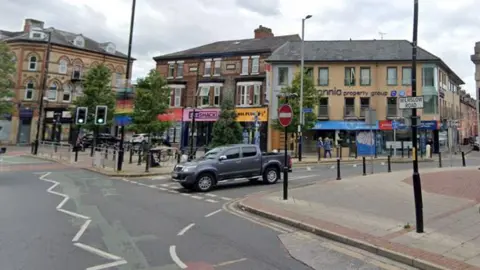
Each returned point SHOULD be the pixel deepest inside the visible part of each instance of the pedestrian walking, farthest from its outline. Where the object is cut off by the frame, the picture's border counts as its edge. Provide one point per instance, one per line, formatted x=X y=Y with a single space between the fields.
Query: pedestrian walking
x=327 y=146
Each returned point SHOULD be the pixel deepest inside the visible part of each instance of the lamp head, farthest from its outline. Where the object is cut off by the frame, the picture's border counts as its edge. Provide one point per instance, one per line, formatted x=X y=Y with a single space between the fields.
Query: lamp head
x=308 y=17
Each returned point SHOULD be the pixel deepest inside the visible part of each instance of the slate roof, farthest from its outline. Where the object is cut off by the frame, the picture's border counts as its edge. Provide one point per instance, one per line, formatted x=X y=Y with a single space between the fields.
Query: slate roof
x=354 y=51
x=62 y=38
x=231 y=47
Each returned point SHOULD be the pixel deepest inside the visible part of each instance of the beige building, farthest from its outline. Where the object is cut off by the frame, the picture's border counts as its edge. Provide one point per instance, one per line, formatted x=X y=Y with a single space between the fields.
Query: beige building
x=476 y=60
x=71 y=55
x=354 y=76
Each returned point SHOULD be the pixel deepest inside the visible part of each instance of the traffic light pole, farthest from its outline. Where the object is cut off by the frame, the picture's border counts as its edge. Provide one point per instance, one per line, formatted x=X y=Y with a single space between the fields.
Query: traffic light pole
x=417 y=186
x=127 y=78
x=42 y=94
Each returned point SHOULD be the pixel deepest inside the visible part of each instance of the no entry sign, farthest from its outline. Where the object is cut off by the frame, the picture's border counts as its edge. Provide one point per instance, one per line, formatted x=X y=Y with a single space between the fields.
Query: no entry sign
x=285 y=115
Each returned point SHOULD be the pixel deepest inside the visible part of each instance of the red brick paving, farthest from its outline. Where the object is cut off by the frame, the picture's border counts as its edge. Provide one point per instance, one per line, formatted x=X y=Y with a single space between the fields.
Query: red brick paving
x=463 y=184
x=256 y=203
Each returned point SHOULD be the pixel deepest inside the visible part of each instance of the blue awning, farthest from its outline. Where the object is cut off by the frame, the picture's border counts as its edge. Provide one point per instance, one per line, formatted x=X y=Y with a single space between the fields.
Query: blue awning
x=344 y=125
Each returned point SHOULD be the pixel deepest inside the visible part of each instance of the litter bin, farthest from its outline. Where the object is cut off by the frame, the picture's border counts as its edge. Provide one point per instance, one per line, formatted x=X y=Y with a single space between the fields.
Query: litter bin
x=155 y=158
x=3 y=150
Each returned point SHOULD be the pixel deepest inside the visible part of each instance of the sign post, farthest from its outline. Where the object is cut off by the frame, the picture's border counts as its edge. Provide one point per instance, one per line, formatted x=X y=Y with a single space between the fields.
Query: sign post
x=285 y=116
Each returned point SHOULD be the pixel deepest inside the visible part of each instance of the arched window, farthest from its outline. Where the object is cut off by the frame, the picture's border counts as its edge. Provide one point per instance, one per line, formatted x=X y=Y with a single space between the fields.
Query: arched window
x=77 y=72
x=52 y=92
x=67 y=93
x=78 y=90
x=29 y=87
x=32 y=63
x=62 y=66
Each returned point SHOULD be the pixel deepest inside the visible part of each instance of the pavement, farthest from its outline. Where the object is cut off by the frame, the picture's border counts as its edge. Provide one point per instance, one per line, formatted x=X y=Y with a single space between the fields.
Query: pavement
x=376 y=213
x=57 y=216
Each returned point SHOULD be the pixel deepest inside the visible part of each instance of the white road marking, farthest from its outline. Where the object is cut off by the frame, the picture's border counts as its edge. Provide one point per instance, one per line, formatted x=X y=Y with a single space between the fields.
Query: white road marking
x=165 y=185
x=302 y=177
x=83 y=228
x=184 y=230
x=197 y=197
x=210 y=195
x=332 y=167
x=159 y=178
x=210 y=200
x=354 y=165
x=230 y=262
x=107 y=265
x=98 y=252
x=185 y=194
x=213 y=213
x=144 y=185
x=81 y=231
x=172 y=191
x=176 y=260
x=226 y=198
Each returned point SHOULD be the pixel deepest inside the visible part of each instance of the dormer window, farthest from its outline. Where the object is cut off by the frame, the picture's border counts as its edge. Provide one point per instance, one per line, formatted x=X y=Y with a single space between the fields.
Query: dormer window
x=79 y=41
x=36 y=35
x=111 y=48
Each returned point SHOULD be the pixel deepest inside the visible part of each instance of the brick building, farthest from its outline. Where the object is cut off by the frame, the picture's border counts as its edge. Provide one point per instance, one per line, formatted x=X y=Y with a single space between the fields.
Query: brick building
x=206 y=75
x=71 y=55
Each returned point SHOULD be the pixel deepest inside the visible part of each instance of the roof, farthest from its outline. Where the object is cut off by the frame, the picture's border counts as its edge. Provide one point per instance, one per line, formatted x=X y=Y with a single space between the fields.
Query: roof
x=61 y=38
x=231 y=47
x=355 y=51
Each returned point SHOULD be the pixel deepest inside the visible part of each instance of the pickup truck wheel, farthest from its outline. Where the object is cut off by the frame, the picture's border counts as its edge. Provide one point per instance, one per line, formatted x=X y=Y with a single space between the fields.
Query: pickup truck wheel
x=205 y=182
x=271 y=175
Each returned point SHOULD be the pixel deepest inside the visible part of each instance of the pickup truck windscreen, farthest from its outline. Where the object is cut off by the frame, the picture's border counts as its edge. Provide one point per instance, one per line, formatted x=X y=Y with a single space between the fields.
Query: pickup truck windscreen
x=212 y=154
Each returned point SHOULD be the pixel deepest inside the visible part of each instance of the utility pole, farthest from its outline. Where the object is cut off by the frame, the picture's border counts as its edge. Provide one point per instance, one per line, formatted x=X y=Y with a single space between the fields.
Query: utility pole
x=302 y=71
x=42 y=92
x=127 y=84
x=417 y=186
x=195 y=97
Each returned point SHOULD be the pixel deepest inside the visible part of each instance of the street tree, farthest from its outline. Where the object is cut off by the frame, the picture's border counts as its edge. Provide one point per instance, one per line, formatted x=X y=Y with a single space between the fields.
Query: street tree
x=7 y=70
x=226 y=130
x=151 y=99
x=97 y=91
x=311 y=98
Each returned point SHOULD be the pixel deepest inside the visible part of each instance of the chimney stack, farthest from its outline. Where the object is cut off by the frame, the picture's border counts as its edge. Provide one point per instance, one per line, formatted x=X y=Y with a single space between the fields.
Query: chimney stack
x=263 y=32
x=29 y=24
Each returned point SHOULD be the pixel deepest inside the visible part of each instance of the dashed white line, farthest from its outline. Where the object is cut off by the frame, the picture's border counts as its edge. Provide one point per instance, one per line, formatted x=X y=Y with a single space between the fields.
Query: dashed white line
x=210 y=195
x=81 y=231
x=211 y=201
x=72 y=214
x=176 y=260
x=172 y=191
x=184 y=230
x=107 y=265
x=97 y=252
x=213 y=213
x=165 y=185
x=197 y=197
x=226 y=198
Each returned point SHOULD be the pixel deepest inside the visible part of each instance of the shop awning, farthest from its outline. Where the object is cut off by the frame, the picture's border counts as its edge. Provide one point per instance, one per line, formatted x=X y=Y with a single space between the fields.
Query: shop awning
x=344 y=125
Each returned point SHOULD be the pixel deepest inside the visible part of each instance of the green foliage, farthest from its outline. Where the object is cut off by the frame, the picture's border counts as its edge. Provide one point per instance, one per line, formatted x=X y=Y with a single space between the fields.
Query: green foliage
x=151 y=99
x=97 y=91
x=311 y=98
x=226 y=130
x=7 y=69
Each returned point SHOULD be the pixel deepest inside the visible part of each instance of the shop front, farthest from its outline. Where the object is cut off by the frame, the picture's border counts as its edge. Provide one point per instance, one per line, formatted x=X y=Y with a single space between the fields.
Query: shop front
x=174 y=133
x=254 y=122
x=204 y=119
x=57 y=125
x=25 y=115
x=397 y=136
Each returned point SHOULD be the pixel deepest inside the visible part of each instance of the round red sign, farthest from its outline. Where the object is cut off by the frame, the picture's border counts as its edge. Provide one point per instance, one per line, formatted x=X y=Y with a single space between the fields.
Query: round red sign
x=285 y=115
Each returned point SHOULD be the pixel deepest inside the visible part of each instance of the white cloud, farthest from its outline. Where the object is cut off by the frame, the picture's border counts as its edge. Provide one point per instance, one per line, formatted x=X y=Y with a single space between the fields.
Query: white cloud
x=448 y=29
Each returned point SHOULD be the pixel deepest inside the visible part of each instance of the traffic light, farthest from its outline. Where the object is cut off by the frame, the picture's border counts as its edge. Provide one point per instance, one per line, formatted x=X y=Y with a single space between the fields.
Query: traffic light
x=101 y=115
x=81 y=116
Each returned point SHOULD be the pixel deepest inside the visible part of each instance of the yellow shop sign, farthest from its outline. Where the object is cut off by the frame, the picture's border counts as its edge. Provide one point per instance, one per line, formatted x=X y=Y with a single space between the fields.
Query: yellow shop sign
x=248 y=114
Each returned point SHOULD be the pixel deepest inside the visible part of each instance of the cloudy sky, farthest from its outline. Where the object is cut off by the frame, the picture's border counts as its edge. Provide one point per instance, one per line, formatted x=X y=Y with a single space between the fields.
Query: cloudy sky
x=447 y=28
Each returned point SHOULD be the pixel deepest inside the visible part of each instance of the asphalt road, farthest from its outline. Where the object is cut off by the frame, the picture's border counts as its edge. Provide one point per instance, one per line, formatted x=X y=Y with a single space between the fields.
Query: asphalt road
x=56 y=217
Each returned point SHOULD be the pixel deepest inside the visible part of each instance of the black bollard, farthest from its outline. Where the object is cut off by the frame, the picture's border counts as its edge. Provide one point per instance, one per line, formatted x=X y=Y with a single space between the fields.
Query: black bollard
x=340 y=149
x=389 y=164
x=364 y=166
x=356 y=152
x=376 y=153
x=76 y=153
x=464 y=164
x=106 y=153
x=130 y=160
x=338 y=169
x=439 y=159
x=391 y=150
x=147 y=161
x=285 y=183
x=403 y=155
x=139 y=157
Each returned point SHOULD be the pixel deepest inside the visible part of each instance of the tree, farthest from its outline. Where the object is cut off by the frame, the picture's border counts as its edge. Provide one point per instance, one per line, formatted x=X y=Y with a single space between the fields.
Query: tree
x=97 y=91
x=7 y=69
x=226 y=130
x=310 y=99
x=151 y=99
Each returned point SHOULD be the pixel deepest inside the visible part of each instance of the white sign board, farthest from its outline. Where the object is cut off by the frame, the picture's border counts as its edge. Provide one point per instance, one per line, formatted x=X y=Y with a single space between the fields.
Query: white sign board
x=410 y=102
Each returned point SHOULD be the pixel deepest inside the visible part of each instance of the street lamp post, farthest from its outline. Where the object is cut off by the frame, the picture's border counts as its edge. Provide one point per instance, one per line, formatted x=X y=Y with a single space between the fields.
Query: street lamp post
x=127 y=83
x=42 y=93
x=191 y=155
x=302 y=71
x=417 y=186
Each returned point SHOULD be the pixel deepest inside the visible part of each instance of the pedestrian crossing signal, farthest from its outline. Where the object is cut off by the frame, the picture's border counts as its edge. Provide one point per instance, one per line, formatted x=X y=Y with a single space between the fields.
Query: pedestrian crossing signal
x=101 y=115
x=81 y=115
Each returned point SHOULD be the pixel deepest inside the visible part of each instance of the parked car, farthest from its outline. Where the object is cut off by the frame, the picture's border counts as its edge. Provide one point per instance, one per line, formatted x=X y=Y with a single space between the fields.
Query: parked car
x=229 y=162
x=102 y=138
x=476 y=144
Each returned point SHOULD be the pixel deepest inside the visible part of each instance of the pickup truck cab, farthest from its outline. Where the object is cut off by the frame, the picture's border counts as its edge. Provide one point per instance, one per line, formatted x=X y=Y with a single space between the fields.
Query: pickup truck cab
x=230 y=162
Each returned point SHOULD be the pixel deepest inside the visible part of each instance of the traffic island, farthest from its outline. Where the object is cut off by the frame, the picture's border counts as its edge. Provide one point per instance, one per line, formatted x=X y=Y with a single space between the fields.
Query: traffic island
x=372 y=213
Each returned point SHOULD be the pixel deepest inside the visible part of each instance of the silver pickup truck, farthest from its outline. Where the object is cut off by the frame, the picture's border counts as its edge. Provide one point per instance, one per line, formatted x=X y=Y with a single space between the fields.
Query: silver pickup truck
x=229 y=162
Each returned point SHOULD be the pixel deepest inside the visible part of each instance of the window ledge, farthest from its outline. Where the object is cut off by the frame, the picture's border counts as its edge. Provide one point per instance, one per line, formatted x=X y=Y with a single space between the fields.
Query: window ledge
x=216 y=75
x=206 y=75
x=255 y=73
x=179 y=77
x=248 y=106
x=170 y=77
x=243 y=74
